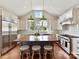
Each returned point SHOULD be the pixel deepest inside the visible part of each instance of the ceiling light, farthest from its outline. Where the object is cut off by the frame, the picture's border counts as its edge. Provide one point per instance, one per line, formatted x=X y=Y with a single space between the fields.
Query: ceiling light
x=43 y=18
x=31 y=18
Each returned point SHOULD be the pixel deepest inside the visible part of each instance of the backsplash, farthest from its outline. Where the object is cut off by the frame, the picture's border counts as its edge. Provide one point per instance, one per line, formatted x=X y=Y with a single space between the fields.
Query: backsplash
x=72 y=30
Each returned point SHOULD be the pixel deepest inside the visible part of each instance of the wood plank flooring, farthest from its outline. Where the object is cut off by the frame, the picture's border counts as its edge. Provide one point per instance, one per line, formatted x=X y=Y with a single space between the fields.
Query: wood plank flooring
x=58 y=53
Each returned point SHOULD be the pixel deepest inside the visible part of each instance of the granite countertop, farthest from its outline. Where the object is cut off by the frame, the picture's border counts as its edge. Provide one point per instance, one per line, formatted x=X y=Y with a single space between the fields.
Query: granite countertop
x=71 y=36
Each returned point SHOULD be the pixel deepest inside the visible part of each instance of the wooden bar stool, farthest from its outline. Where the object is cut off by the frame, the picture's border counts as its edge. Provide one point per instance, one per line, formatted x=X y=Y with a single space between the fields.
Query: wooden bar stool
x=48 y=49
x=36 y=50
x=24 y=50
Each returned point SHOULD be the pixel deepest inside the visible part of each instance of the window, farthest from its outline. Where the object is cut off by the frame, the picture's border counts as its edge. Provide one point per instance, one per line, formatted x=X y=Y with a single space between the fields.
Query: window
x=37 y=24
x=8 y=27
x=5 y=26
x=14 y=27
x=38 y=14
x=42 y=25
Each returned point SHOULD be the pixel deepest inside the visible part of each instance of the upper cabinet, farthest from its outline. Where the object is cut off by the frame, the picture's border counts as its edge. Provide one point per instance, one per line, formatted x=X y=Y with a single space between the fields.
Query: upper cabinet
x=66 y=18
x=8 y=16
x=9 y=20
x=69 y=18
x=75 y=16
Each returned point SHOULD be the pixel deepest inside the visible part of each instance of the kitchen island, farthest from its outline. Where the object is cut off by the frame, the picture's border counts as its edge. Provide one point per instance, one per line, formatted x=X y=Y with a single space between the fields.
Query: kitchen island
x=42 y=41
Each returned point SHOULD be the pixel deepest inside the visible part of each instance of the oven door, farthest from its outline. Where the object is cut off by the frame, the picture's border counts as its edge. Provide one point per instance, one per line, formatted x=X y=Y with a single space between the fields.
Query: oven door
x=67 y=46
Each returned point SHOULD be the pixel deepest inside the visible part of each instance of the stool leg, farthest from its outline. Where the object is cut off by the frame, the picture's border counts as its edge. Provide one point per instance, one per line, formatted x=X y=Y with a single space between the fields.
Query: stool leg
x=27 y=55
x=53 y=54
x=32 y=54
x=21 y=55
x=45 y=55
x=39 y=55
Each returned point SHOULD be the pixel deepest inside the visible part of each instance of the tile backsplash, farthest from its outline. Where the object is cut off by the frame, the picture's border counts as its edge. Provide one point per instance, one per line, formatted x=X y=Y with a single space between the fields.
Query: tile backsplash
x=72 y=30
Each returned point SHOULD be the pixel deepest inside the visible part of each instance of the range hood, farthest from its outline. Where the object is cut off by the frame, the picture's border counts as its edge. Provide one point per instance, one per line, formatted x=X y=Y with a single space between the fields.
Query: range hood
x=67 y=21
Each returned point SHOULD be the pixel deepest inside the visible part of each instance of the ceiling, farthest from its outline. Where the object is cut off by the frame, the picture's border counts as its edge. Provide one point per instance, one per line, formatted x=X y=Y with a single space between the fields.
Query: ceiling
x=22 y=7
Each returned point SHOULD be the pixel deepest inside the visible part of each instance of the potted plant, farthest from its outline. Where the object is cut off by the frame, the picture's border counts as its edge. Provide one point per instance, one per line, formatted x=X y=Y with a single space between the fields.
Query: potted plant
x=36 y=35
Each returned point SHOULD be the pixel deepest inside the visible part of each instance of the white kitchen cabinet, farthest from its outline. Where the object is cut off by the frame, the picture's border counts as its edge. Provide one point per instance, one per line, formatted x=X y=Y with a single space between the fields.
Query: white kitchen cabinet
x=75 y=16
x=66 y=16
x=0 y=34
x=64 y=19
x=0 y=31
x=75 y=47
x=7 y=32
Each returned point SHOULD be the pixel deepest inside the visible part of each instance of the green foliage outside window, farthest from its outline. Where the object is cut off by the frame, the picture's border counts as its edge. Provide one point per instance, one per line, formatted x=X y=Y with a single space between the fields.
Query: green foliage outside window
x=43 y=28
x=32 y=27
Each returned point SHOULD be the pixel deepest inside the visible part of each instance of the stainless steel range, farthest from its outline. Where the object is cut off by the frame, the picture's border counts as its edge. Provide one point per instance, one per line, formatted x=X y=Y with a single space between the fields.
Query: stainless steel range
x=65 y=43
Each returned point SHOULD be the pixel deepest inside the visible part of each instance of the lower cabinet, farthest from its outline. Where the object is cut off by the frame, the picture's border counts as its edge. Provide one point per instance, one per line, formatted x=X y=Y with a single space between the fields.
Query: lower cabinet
x=7 y=43
x=0 y=34
x=75 y=47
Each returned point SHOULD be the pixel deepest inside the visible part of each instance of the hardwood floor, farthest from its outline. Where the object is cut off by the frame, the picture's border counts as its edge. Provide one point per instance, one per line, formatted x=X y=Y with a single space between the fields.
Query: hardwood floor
x=58 y=53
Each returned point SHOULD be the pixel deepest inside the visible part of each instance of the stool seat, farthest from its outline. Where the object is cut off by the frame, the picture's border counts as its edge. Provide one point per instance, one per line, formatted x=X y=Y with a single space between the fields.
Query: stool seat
x=24 y=47
x=24 y=50
x=36 y=50
x=48 y=47
x=36 y=47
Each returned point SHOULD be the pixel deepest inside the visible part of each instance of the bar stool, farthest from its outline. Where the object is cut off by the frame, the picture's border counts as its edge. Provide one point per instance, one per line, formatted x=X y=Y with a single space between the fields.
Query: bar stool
x=36 y=50
x=24 y=50
x=48 y=49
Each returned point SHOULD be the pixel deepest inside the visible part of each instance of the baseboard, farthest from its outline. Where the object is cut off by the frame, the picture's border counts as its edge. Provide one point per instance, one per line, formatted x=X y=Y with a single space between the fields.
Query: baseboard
x=73 y=56
x=8 y=50
x=63 y=49
x=0 y=54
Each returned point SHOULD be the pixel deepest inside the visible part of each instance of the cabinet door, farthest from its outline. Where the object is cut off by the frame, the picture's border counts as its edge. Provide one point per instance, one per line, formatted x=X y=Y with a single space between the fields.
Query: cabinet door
x=76 y=15
x=75 y=45
x=0 y=34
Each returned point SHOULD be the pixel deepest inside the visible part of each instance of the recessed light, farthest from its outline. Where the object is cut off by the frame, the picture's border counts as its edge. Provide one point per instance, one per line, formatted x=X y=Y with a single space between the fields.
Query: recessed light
x=24 y=6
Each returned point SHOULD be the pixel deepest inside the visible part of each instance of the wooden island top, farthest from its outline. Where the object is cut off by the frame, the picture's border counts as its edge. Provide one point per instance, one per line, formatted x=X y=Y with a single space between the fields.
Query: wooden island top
x=27 y=38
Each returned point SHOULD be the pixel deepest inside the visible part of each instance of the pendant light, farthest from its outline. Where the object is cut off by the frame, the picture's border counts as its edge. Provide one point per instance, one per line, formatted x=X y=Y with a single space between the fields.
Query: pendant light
x=43 y=18
x=31 y=18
